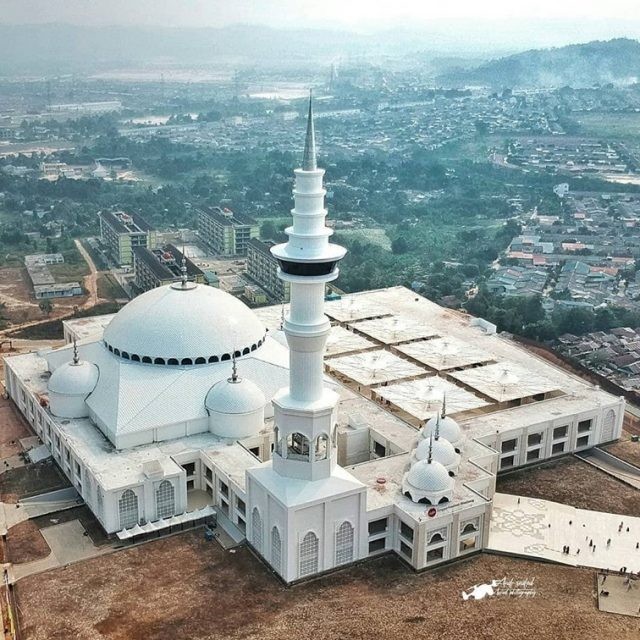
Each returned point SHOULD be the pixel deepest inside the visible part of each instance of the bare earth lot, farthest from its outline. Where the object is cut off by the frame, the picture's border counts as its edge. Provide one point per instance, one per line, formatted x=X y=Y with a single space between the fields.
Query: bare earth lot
x=573 y=482
x=25 y=543
x=185 y=587
x=625 y=449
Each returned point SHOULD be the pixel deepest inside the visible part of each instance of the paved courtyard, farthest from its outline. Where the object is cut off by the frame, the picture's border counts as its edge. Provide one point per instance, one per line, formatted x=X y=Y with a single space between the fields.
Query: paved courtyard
x=541 y=528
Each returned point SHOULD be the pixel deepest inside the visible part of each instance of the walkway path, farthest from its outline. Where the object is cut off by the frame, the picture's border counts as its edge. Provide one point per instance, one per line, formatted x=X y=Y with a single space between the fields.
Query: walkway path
x=91 y=280
x=68 y=544
x=541 y=528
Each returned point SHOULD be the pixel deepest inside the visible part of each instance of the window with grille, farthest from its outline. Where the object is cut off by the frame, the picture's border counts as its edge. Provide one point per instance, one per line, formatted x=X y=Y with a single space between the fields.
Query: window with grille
x=256 y=526
x=344 y=543
x=165 y=500
x=128 y=508
x=276 y=550
x=308 y=555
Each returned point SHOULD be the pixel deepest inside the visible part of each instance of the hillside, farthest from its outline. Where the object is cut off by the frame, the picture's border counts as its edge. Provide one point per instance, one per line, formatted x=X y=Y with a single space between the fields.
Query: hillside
x=579 y=65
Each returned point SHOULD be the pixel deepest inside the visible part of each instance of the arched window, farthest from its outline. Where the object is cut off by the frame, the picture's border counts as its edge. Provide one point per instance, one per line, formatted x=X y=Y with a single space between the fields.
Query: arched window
x=254 y=347
x=443 y=500
x=165 y=500
x=128 y=509
x=322 y=446
x=308 y=555
x=276 y=550
x=344 y=543
x=225 y=356
x=213 y=359
x=256 y=527
x=172 y=361
x=245 y=351
x=201 y=361
x=159 y=361
x=111 y=348
x=125 y=355
x=186 y=361
x=135 y=357
x=469 y=528
x=436 y=537
x=297 y=446
x=237 y=354
x=116 y=352
x=146 y=359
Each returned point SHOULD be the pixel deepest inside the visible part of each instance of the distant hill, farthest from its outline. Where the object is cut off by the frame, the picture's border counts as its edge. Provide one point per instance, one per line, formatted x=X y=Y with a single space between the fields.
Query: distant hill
x=578 y=65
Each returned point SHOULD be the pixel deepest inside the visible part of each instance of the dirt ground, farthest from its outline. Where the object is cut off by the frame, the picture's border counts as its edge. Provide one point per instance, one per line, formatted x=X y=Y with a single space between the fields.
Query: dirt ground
x=573 y=482
x=12 y=428
x=625 y=449
x=185 y=587
x=17 y=294
x=31 y=480
x=25 y=543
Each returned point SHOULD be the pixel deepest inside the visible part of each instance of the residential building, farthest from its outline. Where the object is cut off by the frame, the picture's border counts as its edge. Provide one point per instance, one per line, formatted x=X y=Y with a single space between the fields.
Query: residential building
x=226 y=232
x=121 y=231
x=157 y=267
x=262 y=267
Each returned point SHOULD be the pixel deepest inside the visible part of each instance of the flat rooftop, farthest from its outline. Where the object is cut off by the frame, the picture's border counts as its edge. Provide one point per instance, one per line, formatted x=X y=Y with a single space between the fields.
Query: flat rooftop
x=396 y=393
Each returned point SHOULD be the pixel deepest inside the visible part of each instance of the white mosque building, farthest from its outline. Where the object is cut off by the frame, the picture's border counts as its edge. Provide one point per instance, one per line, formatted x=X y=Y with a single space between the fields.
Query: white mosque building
x=370 y=424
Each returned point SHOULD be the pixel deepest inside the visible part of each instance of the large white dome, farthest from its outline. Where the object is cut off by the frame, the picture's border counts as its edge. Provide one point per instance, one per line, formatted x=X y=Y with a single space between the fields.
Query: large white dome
x=195 y=324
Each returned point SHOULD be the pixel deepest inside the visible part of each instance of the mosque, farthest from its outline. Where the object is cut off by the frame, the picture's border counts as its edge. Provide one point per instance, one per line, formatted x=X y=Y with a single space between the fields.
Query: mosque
x=325 y=435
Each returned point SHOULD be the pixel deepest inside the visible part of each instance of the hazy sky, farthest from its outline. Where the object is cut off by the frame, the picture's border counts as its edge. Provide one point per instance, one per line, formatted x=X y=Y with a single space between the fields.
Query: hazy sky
x=607 y=17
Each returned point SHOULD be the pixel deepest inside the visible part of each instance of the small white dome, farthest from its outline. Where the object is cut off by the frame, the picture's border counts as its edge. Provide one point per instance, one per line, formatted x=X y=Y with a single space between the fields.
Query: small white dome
x=235 y=397
x=196 y=323
x=74 y=379
x=442 y=451
x=449 y=429
x=429 y=477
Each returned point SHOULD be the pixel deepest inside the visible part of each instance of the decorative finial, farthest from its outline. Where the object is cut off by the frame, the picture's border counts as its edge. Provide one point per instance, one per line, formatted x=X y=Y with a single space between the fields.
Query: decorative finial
x=444 y=405
x=437 y=431
x=282 y=317
x=429 y=458
x=234 y=368
x=309 y=156
x=183 y=269
x=75 y=352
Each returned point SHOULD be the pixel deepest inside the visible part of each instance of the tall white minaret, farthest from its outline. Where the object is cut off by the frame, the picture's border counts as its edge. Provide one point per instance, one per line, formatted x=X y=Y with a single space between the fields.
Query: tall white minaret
x=305 y=412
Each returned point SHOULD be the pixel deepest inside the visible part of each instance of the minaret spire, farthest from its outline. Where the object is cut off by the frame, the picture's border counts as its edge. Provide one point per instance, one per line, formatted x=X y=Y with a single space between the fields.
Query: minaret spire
x=430 y=457
x=444 y=405
x=437 y=431
x=183 y=269
x=234 y=369
x=75 y=352
x=309 y=157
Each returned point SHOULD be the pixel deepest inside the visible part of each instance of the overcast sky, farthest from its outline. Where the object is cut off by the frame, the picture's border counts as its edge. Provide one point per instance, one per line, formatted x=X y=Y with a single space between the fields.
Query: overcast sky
x=608 y=16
